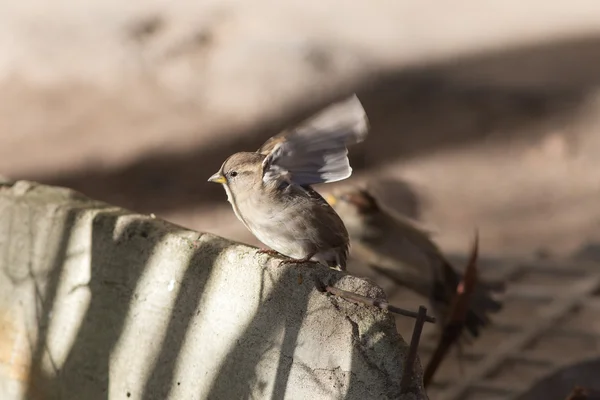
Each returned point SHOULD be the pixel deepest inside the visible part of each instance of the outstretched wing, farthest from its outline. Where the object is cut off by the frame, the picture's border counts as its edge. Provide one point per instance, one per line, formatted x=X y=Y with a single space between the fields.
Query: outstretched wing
x=316 y=150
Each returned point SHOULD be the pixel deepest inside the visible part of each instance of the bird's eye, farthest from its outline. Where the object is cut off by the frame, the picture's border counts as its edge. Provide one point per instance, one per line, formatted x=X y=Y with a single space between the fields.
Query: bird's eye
x=233 y=174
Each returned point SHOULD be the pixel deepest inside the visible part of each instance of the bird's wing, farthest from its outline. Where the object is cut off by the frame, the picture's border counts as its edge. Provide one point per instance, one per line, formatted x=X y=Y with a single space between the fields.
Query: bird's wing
x=444 y=278
x=316 y=150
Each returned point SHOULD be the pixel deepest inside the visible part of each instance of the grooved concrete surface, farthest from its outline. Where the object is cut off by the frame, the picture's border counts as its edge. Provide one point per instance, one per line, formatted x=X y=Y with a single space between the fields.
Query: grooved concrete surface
x=100 y=303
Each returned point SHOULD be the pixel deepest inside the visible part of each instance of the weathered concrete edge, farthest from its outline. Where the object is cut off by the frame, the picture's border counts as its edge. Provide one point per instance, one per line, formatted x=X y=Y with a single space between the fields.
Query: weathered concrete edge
x=70 y=198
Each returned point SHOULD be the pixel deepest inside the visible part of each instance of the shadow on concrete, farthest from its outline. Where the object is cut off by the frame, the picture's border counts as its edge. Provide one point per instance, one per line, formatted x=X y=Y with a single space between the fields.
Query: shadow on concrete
x=119 y=259
x=162 y=380
x=492 y=97
x=39 y=384
x=86 y=371
x=366 y=345
x=273 y=315
x=116 y=266
x=244 y=358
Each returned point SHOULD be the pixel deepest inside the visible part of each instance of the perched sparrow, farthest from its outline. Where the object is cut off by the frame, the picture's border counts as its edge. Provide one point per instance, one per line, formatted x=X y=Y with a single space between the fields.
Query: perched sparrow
x=270 y=191
x=398 y=249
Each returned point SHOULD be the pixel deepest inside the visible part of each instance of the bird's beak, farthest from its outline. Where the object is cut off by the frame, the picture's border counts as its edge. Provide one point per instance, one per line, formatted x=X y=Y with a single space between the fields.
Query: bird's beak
x=217 y=178
x=330 y=199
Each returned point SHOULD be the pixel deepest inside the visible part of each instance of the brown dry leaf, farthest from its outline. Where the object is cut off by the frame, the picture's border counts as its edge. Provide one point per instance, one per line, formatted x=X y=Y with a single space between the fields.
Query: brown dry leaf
x=460 y=306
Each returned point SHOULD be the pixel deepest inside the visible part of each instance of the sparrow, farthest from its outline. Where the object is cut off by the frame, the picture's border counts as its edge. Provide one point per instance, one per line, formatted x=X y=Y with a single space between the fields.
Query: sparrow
x=270 y=189
x=396 y=247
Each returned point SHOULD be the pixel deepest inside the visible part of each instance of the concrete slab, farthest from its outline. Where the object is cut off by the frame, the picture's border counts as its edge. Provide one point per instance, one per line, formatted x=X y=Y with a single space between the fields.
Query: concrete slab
x=100 y=303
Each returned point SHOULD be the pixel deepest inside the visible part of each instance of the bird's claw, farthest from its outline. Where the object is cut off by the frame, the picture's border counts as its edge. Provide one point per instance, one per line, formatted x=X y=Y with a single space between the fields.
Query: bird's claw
x=295 y=261
x=287 y=260
x=268 y=251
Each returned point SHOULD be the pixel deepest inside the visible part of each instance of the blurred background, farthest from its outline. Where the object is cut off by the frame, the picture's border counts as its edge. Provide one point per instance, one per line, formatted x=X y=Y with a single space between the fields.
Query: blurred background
x=484 y=116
